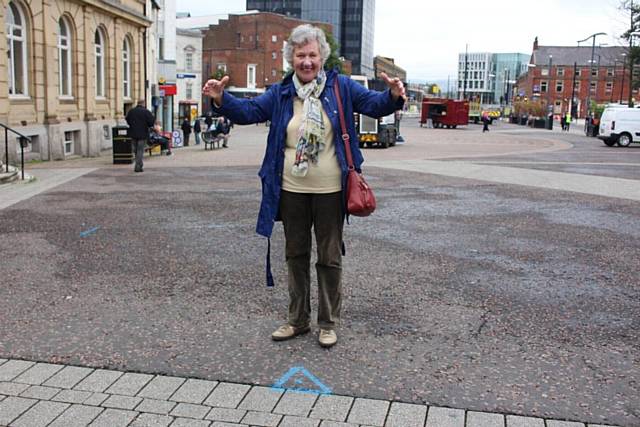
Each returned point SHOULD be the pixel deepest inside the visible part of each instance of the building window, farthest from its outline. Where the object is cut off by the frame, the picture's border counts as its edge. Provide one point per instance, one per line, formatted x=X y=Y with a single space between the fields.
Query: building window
x=16 y=30
x=594 y=87
x=608 y=87
x=64 y=58
x=126 y=71
x=274 y=72
x=189 y=90
x=543 y=86
x=68 y=143
x=481 y=85
x=544 y=72
x=578 y=72
x=222 y=66
x=610 y=72
x=594 y=72
x=578 y=86
x=251 y=76
x=188 y=61
x=274 y=55
x=274 y=38
x=559 y=86
x=560 y=71
x=99 y=59
x=160 y=48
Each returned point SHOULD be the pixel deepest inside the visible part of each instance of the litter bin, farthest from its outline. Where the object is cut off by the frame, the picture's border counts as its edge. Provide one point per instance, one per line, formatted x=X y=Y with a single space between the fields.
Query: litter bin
x=122 y=147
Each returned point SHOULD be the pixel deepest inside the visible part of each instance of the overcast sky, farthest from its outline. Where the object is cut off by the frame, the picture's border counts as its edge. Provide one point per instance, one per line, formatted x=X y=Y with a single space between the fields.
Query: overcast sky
x=425 y=37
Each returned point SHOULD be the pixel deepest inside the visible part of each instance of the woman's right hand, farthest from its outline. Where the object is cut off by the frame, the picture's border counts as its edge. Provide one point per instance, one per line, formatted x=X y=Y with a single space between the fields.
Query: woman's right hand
x=214 y=89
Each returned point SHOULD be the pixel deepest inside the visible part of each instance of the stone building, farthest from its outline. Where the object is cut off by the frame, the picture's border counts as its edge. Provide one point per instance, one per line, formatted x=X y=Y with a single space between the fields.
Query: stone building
x=69 y=71
x=188 y=73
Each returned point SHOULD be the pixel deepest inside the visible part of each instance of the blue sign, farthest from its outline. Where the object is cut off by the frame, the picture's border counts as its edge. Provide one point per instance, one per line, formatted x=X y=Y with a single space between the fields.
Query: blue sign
x=300 y=375
x=186 y=76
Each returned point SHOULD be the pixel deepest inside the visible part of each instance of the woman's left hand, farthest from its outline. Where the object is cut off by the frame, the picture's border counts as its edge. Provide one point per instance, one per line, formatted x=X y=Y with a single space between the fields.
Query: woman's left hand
x=395 y=86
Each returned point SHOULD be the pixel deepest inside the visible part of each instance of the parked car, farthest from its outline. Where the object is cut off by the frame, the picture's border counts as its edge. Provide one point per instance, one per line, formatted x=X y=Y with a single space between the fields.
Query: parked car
x=620 y=125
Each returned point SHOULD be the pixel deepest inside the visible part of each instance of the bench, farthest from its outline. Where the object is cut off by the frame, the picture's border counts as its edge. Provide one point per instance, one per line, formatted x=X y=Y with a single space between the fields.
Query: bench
x=149 y=147
x=212 y=140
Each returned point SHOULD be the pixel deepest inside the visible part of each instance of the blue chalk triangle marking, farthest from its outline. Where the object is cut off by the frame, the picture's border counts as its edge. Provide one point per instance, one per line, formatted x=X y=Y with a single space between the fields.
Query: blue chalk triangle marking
x=322 y=389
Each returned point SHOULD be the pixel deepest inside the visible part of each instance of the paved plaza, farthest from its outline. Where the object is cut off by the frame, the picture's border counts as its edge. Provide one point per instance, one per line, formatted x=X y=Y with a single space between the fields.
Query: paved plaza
x=496 y=285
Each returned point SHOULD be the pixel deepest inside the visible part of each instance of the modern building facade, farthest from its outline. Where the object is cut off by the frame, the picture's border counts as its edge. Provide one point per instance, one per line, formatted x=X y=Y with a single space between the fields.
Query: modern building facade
x=69 y=71
x=489 y=77
x=564 y=77
x=353 y=23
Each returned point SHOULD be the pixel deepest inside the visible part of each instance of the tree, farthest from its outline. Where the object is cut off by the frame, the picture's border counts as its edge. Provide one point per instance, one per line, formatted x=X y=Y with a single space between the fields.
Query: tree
x=334 y=59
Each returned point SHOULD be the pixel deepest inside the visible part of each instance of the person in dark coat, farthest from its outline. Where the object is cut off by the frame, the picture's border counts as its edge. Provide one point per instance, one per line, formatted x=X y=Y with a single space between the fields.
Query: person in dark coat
x=304 y=171
x=186 y=130
x=140 y=120
x=197 y=130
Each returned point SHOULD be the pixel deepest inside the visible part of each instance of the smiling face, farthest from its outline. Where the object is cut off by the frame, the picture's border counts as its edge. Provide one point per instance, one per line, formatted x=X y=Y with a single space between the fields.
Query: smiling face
x=307 y=61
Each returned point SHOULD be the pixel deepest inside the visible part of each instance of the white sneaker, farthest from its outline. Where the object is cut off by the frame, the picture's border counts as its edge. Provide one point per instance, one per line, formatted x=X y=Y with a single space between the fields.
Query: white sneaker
x=327 y=338
x=287 y=331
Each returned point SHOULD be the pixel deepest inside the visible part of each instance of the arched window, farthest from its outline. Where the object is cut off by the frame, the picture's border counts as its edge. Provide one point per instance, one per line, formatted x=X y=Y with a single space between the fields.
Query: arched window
x=99 y=54
x=16 y=30
x=64 y=58
x=126 y=63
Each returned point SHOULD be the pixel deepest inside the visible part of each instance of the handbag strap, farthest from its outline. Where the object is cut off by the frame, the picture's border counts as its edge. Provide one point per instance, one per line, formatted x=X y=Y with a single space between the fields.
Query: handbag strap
x=345 y=134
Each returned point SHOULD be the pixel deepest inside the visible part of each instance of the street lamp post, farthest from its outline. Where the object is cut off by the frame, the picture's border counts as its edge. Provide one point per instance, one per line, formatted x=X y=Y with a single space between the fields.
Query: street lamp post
x=624 y=69
x=593 y=48
x=631 y=63
x=466 y=62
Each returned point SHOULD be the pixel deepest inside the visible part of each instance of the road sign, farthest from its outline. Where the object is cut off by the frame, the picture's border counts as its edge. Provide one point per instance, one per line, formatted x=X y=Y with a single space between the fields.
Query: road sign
x=176 y=136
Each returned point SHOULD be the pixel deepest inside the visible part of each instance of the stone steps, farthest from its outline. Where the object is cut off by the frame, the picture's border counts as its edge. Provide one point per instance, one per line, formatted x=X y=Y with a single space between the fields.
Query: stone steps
x=7 y=177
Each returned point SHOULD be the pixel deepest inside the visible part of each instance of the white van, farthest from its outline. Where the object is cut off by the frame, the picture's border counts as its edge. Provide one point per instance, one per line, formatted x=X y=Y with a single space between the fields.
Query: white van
x=620 y=125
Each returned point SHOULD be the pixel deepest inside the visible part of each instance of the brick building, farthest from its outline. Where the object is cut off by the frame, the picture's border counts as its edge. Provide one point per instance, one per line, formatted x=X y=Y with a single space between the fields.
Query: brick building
x=248 y=48
x=553 y=71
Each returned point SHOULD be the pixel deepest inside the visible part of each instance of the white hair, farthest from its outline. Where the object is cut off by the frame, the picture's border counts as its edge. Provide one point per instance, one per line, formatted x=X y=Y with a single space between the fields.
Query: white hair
x=303 y=34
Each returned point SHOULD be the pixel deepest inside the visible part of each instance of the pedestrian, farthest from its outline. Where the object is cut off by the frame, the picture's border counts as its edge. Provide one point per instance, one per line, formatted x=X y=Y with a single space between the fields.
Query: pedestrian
x=197 y=130
x=156 y=137
x=225 y=128
x=304 y=169
x=186 y=130
x=140 y=120
x=567 y=121
x=208 y=120
x=485 y=122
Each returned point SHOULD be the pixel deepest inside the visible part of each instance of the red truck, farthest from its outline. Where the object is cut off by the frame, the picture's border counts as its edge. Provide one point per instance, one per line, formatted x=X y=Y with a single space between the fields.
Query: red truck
x=447 y=113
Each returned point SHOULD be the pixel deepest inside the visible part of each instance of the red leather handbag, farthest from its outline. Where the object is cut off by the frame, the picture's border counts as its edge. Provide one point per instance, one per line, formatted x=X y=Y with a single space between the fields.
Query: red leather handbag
x=360 y=198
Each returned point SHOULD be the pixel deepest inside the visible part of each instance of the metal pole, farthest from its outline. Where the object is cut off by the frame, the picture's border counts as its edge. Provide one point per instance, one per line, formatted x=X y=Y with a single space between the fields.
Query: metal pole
x=466 y=62
x=6 y=148
x=624 y=70
x=22 y=142
x=573 y=90
x=593 y=48
x=631 y=59
x=549 y=86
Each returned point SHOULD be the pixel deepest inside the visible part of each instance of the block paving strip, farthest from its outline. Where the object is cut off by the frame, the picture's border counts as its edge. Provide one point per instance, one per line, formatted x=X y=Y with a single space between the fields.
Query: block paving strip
x=42 y=394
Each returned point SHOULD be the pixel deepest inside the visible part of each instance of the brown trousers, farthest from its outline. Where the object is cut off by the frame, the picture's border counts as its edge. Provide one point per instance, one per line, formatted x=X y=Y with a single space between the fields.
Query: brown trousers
x=299 y=212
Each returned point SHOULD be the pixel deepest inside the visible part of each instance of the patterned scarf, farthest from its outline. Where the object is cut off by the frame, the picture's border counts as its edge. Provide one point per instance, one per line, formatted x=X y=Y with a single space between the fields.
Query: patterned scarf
x=311 y=131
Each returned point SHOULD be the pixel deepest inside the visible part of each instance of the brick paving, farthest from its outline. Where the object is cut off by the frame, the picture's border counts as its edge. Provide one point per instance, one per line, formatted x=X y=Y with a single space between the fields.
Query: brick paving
x=133 y=399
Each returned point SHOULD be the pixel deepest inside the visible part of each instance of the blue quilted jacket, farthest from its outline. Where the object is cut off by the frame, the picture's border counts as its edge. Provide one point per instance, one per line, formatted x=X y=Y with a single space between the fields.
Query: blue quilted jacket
x=276 y=105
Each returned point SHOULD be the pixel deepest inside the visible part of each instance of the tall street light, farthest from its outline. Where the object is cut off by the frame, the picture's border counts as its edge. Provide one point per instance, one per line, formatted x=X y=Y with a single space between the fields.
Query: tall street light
x=593 y=48
x=624 y=69
x=632 y=60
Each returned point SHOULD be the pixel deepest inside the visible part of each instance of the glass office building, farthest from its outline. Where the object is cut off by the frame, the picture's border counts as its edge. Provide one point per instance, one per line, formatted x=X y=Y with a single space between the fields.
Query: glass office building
x=508 y=67
x=353 y=24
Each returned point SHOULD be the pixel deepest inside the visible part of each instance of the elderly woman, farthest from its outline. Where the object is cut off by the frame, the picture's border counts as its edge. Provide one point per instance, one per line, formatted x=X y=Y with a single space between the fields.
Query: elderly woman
x=304 y=169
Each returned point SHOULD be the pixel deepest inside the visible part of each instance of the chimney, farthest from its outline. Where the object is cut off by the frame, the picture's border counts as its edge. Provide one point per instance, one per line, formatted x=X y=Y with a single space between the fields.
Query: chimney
x=535 y=44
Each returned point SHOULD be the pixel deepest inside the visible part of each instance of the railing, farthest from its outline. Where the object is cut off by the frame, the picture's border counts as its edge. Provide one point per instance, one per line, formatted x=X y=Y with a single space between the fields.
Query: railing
x=24 y=140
